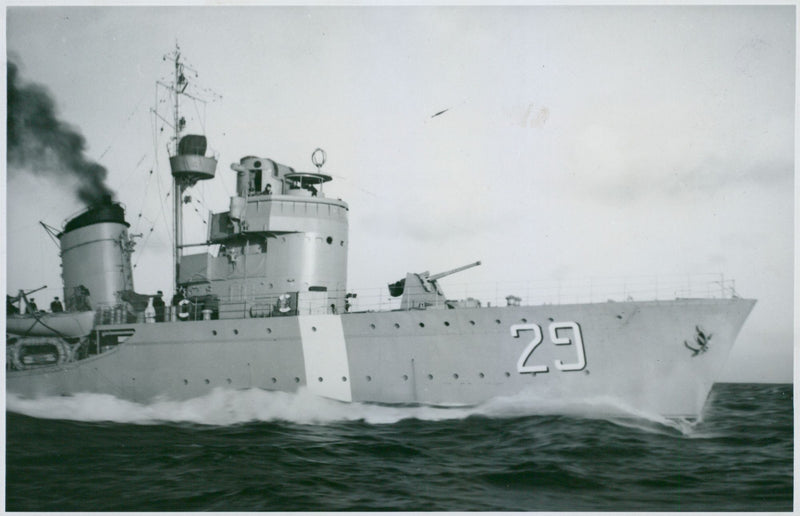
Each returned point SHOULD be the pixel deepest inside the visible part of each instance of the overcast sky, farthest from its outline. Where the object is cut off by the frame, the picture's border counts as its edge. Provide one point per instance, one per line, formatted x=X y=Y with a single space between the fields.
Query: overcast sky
x=578 y=142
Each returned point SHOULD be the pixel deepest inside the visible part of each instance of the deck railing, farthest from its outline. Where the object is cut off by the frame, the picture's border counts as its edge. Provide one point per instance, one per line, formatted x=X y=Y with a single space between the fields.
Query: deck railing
x=525 y=293
x=543 y=292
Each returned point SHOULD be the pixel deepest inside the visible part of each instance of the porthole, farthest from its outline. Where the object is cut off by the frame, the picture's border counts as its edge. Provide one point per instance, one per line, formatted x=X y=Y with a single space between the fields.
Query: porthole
x=481 y=375
x=455 y=376
x=372 y=326
x=213 y=332
x=313 y=328
x=405 y=377
x=269 y=330
x=329 y=240
x=430 y=377
x=207 y=381
x=319 y=379
x=508 y=375
x=524 y=320
x=497 y=321
x=185 y=381
x=396 y=325
x=274 y=380
x=228 y=380
x=421 y=325
x=619 y=317
x=296 y=380
x=344 y=378
x=446 y=323
x=236 y=332
x=472 y=323
x=341 y=243
x=550 y=319
x=369 y=378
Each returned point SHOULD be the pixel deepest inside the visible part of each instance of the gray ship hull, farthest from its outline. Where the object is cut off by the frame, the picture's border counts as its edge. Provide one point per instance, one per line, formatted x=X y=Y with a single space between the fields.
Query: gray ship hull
x=655 y=356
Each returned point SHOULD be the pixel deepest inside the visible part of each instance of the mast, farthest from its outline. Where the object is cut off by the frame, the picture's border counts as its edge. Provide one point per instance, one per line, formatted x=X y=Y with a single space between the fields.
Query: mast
x=187 y=159
x=177 y=190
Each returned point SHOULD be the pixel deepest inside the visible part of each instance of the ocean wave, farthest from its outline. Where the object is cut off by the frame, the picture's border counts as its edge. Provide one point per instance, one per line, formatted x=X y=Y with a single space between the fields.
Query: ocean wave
x=271 y=451
x=222 y=407
x=225 y=407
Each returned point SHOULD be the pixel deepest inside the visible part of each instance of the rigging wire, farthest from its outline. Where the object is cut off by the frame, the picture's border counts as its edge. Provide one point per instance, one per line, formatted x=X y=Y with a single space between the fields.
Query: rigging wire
x=143 y=199
x=144 y=244
x=161 y=196
x=122 y=126
x=146 y=238
x=200 y=118
x=343 y=178
x=201 y=200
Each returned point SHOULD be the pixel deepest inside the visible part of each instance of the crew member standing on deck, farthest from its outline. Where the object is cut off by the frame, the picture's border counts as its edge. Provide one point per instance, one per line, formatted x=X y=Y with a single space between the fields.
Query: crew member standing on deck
x=56 y=306
x=158 y=304
x=31 y=307
x=178 y=297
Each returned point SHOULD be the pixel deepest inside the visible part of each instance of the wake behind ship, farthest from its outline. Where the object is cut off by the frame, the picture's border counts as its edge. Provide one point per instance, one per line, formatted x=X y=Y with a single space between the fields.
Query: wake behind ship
x=271 y=310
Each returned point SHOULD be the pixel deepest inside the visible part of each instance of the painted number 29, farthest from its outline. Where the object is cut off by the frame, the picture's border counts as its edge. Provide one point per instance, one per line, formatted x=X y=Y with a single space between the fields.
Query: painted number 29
x=553 y=330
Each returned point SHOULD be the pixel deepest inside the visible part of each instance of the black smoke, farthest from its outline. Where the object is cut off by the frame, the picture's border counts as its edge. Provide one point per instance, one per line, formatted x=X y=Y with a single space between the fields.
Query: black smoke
x=41 y=143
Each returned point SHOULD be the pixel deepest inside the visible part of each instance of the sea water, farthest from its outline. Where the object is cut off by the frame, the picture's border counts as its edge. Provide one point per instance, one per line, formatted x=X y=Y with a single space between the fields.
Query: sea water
x=268 y=451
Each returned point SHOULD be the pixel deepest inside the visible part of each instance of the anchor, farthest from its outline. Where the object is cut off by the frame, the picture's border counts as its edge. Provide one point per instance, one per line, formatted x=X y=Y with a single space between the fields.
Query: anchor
x=702 y=342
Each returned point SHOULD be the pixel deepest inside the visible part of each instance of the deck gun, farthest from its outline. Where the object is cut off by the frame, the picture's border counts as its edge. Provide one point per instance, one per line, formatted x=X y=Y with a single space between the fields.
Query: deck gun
x=421 y=290
x=19 y=298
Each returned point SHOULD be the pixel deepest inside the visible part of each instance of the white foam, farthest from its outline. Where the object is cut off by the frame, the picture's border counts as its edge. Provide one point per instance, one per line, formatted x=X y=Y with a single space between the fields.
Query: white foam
x=223 y=407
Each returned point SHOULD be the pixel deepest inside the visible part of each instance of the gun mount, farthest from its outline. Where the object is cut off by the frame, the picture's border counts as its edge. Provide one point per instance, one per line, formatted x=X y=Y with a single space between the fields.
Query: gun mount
x=19 y=298
x=421 y=290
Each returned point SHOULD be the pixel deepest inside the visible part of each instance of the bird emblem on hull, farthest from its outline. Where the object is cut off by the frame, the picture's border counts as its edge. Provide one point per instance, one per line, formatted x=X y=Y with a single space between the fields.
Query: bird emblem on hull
x=701 y=339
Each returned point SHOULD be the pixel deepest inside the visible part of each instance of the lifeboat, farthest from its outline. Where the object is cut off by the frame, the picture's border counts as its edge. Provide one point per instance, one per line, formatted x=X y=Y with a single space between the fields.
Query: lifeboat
x=46 y=324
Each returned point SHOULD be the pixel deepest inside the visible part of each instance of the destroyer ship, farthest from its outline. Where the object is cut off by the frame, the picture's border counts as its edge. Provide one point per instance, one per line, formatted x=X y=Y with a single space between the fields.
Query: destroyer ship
x=271 y=310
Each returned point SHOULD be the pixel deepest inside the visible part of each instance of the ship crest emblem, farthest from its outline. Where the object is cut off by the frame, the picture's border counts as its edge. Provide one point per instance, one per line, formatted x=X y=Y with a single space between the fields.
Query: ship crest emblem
x=701 y=340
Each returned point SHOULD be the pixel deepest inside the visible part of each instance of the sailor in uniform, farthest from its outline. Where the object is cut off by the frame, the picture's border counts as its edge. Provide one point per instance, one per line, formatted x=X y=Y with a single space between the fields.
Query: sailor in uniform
x=56 y=306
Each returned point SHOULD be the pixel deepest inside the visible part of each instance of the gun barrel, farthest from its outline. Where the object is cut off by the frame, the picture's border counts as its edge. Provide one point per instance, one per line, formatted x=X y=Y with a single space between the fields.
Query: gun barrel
x=35 y=290
x=453 y=271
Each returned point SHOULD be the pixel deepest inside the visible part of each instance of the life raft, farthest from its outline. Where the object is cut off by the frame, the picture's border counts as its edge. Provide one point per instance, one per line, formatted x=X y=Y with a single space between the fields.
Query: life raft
x=32 y=352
